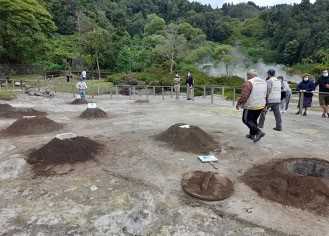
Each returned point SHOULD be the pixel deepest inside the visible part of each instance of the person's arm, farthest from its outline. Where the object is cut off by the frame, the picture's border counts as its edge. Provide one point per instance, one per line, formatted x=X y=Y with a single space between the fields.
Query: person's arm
x=245 y=93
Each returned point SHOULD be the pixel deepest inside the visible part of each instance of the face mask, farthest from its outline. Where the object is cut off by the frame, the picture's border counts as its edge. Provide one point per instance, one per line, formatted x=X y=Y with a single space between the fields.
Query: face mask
x=306 y=79
x=325 y=74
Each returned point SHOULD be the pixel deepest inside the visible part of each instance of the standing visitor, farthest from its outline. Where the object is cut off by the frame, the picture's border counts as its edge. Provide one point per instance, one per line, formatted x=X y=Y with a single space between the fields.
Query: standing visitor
x=189 y=86
x=285 y=94
x=253 y=101
x=82 y=87
x=273 y=100
x=305 y=88
x=177 y=85
x=323 y=84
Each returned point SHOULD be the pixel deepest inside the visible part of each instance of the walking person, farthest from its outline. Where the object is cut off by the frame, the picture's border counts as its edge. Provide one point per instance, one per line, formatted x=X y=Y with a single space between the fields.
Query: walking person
x=305 y=88
x=82 y=87
x=285 y=94
x=323 y=84
x=189 y=86
x=177 y=80
x=273 y=101
x=253 y=101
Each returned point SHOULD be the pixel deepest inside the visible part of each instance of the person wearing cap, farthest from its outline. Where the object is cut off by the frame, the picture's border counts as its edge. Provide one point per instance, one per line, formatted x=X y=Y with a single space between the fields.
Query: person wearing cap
x=323 y=84
x=253 y=101
x=285 y=94
x=83 y=75
x=82 y=87
x=177 y=80
x=273 y=100
x=305 y=87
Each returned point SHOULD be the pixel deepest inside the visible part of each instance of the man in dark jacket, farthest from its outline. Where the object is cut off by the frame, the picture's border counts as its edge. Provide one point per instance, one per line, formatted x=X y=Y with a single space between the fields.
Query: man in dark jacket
x=189 y=86
x=323 y=84
x=306 y=87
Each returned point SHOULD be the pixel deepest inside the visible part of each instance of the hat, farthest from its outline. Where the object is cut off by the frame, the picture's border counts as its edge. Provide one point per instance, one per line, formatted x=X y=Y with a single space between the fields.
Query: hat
x=252 y=72
x=271 y=72
x=306 y=75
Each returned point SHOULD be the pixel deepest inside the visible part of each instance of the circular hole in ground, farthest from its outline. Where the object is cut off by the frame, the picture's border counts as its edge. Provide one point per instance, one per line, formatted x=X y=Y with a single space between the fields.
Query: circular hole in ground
x=309 y=167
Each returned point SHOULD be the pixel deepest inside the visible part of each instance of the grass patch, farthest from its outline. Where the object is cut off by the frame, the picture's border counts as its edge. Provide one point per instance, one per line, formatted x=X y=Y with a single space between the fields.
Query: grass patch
x=7 y=95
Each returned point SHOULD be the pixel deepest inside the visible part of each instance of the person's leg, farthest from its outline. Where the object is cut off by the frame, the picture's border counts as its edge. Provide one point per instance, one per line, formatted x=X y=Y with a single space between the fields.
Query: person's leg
x=288 y=101
x=262 y=118
x=322 y=101
x=277 y=116
x=245 y=120
x=252 y=118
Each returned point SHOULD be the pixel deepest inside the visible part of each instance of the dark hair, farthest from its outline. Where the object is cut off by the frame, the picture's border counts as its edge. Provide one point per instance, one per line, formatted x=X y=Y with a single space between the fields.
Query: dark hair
x=271 y=72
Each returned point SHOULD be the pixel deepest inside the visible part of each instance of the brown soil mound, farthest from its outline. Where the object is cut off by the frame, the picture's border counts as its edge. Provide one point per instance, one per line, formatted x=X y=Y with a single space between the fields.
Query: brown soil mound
x=62 y=153
x=35 y=125
x=209 y=186
x=7 y=111
x=192 y=139
x=93 y=113
x=300 y=183
x=79 y=101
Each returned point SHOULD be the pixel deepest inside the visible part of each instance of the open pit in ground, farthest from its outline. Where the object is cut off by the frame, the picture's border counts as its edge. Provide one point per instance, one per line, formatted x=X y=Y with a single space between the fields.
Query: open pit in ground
x=299 y=183
x=79 y=101
x=59 y=155
x=208 y=186
x=10 y=112
x=187 y=138
x=93 y=113
x=32 y=125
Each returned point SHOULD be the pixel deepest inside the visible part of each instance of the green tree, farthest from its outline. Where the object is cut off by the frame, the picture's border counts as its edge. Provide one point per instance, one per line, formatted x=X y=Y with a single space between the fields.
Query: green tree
x=154 y=25
x=25 y=26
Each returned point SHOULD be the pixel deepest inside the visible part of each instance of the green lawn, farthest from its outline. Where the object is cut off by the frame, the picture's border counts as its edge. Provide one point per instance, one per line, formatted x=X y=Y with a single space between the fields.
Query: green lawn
x=7 y=95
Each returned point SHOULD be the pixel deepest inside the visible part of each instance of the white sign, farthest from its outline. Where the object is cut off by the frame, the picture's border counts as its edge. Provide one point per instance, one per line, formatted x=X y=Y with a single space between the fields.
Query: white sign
x=185 y=126
x=207 y=159
x=28 y=117
x=77 y=96
x=92 y=105
x=66 y=136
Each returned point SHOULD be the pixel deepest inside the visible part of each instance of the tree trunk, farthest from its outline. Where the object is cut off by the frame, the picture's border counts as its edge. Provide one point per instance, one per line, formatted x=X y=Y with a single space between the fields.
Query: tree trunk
x=172 y=63
x=98 y=69
x=227 y=72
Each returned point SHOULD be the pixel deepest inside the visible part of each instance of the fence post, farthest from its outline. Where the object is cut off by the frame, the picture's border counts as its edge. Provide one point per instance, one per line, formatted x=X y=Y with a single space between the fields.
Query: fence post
x=147 y=93
x=162 y=92
x=171 y=91
x=116 y=90
x=111 y=93
x=204 y=92
x=129 y=92
x=97 y=91
x=223 y=91
x=154 y=91
x=134 y=92
x=212 y=95
x=301 y=103
x=234 y=97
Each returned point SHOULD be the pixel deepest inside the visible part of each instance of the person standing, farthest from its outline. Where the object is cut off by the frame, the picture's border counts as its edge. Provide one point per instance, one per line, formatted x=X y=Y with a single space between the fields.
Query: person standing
x=82 y=87
x=177 y=80
x=84 y=75
x=323 y=84
x=285 y=94
x=273 y=100
x=253 y=101
x=305 y=88
x=189 y=85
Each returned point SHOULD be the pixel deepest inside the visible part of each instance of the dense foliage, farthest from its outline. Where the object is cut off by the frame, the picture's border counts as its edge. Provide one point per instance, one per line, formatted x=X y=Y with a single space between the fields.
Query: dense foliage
x=135 y=35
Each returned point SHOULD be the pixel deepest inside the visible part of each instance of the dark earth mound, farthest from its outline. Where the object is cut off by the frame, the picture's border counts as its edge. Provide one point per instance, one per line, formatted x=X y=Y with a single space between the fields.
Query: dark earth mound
x=192 y=139
x=62 y=152
x=299 y=183
x=33 y=125
x=208 y=186
x=7 y=111
x=93 y=113
x=79 y=101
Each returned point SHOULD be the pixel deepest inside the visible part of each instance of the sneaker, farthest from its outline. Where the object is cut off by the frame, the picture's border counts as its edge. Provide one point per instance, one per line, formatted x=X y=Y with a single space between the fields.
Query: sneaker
x=324 y=115
x=277 y=129
x=298 y=113
x=258 y=137
x=305 y=113
x=249 y=136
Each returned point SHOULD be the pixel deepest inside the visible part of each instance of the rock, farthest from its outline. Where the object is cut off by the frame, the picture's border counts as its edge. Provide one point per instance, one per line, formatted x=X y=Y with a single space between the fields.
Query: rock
x=12 y=168
x=93 y=188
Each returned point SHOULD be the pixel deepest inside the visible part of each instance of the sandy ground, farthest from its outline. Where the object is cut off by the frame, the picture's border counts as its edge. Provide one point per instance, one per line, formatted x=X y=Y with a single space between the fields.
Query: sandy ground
x=134 y=186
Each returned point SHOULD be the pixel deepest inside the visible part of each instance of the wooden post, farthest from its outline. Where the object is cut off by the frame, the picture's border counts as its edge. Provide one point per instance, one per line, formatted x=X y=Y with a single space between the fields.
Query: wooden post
x=301 y=103
x=97 y=91
x=116 y=90
x=223 y=91
x=171 y=91
x=154 y=91
x=212 y=95
x=129 y=92
x=234 y=96
x=204 y=92
x=162 y=92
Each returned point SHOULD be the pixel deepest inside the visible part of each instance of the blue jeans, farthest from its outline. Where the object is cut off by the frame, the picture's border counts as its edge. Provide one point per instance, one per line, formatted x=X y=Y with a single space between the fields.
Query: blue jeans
x=82 y=93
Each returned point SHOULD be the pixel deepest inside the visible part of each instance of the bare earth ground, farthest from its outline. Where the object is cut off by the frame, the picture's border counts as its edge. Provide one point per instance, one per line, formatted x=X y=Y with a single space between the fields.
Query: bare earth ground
x=134 y=186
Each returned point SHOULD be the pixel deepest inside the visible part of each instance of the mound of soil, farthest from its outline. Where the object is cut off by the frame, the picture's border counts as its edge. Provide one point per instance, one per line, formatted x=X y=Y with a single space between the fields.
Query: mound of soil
x=208 y=186
x=293 y=182
x=62 y=153
x=33 y=125
x=7 y=111
x=79 y=101
x=93 y=113
x=188 y=139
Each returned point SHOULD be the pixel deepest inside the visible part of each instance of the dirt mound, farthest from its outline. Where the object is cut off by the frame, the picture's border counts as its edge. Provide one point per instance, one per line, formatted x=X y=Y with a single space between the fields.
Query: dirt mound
x=93 y=113
x=33 y=125
x=300 y=183
x=188 y=138
x=208 y=186
x=7 y=111
x=60 y=153
x=79 y=101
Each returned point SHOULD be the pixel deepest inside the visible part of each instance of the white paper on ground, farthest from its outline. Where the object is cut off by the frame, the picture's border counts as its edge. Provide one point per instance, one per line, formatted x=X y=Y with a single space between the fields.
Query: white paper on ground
x=207 y=158
x=92 y=105
x=185 y=126
x=66 y=136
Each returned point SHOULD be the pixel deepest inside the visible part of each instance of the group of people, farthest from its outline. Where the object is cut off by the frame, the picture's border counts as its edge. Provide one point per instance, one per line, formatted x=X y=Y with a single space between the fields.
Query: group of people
x=258 y=96
x=189 y=85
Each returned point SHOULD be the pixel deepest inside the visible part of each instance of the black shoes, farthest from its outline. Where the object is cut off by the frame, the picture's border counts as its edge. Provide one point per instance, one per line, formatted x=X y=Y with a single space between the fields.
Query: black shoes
x=249 y=136
x=258 y=136
x=277 y=129
x=305 y=113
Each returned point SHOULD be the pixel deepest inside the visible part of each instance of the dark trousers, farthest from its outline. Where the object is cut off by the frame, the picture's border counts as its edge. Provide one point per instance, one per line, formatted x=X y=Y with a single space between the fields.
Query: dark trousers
x=250 y=118
x=277 y=115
